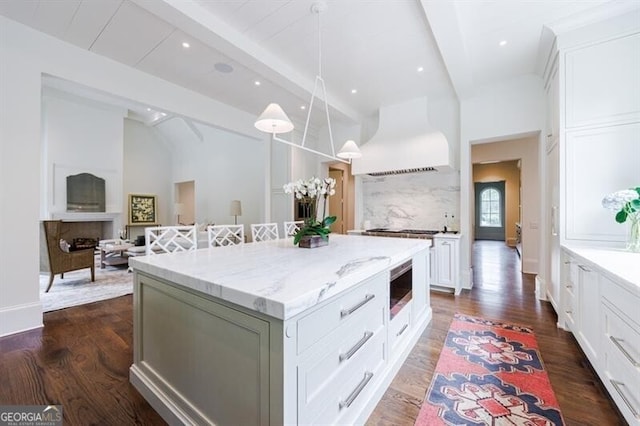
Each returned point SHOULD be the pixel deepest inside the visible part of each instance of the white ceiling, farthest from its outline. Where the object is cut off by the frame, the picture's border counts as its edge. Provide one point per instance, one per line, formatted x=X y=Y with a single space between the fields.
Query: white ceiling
x=374 y=46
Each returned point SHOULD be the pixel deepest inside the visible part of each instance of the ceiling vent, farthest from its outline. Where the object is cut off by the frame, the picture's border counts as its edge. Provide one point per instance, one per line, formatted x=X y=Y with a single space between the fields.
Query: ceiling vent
x=400 y=172
x=404 y=143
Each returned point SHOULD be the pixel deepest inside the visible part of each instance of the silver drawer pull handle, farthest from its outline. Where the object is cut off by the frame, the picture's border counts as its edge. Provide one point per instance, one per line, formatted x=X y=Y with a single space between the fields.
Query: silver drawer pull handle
x=567 y=262
x=358 y=345
x=568 y=312
x=568 y=286
x=346 y=312
x=347 y=402
x=617 y=386
x=404 y=327
x=618 y=344
x=584 y=268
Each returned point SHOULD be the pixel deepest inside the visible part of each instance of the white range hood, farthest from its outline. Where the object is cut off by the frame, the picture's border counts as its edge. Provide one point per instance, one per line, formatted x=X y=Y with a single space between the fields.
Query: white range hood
x=404 y=143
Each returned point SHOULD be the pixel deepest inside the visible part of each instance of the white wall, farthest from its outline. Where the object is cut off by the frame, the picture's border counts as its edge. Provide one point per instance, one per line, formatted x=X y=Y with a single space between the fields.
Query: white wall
x=80 y=136
x=27 y=54
x=503 y=111
x=147 y=170
x=224 y=166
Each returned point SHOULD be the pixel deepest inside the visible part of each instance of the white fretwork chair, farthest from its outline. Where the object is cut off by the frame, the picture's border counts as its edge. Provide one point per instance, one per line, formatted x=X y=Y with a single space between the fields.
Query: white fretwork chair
x=290 y=228
x=264 y=232
x=170 y=239
x=225 y=235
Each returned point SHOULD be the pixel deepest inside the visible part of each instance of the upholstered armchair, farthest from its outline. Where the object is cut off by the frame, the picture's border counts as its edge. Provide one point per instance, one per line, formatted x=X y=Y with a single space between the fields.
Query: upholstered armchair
x=61 y=261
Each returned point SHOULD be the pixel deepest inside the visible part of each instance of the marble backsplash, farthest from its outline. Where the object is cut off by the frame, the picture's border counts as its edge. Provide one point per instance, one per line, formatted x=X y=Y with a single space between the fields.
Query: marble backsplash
x=413 y=200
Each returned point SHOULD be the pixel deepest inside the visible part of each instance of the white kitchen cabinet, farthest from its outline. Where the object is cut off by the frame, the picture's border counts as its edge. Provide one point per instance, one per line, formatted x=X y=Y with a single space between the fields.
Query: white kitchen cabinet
x=602 y=309
x=595 y=169
x=553 y=230
x=432 y=265
x=588 y=307
x=603 y=83
x=570 y=310
x=581 y=300
x=592 y=84
x=447 y=261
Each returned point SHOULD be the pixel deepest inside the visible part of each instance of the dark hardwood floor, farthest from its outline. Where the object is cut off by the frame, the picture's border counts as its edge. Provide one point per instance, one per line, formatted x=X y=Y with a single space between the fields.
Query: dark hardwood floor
x=82 y=356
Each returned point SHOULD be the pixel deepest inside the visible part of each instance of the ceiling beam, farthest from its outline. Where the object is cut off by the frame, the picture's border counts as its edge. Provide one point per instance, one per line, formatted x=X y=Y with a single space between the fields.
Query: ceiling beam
x=445 y=27
x=200 y=23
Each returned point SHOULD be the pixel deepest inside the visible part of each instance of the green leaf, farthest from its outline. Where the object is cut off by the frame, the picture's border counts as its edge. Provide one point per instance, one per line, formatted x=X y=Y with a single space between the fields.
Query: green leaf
x=635 y=204
x=637 y=188
x=621 y=217
x=329 y=220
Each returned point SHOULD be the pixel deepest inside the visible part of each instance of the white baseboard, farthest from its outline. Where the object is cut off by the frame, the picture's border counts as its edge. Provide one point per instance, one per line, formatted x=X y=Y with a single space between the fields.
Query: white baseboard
x=19 y=318
x=467 y=278
x=530 y=265
x=541 y=289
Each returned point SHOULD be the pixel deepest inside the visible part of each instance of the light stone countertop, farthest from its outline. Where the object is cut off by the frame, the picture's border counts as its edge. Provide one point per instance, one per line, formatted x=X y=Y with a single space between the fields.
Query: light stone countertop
x=276 y=277
x=620 y=265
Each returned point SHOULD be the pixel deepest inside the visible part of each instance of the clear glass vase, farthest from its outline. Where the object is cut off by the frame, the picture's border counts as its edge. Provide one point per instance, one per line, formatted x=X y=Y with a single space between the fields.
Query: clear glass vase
x=633 y=241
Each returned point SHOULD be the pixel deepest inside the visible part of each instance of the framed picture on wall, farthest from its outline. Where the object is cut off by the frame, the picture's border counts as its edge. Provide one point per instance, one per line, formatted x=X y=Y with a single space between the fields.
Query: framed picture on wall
x=142 y=209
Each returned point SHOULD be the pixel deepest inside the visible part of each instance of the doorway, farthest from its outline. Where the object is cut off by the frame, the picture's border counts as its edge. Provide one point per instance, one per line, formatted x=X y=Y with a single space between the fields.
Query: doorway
x=336 y=202
x=489 y=211
x=184 y=208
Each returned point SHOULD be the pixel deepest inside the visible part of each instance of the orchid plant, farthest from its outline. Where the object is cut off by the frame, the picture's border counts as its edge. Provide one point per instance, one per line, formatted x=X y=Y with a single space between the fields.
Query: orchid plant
x=309 y=193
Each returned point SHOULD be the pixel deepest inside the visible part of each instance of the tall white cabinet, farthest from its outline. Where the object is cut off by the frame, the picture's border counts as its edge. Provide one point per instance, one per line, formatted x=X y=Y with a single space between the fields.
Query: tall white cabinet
x=592 y=84
x=601 y=129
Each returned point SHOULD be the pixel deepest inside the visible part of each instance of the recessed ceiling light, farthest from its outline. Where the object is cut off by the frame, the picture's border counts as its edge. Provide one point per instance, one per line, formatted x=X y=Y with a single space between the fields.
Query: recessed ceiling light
x=303 y=107
x=257 y=83
x=354 y=91
x=186 y=45
x=164 y=114
x=503 y=43
x=149 y=109
x=420 y=69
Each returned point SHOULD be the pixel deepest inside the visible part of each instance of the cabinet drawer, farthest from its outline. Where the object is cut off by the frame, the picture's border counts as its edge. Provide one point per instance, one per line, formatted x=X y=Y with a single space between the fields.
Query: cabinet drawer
x=348 y=391
x=570 y=306
x=347 y=309
x=620 y=337
x=621 y=298
x=399 y=326
x=621 y=364
x=332 y=357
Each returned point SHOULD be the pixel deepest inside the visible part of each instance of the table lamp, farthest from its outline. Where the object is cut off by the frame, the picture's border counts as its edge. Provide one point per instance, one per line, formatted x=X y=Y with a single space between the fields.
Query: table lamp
x=235 y=210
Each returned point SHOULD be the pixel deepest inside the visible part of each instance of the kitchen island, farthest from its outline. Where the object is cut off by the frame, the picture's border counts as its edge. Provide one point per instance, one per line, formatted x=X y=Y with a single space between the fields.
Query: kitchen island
x=269 y=333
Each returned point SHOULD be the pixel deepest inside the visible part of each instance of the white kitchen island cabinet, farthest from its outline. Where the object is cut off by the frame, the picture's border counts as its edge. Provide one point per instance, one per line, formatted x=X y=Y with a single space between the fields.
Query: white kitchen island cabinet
x=269 y=333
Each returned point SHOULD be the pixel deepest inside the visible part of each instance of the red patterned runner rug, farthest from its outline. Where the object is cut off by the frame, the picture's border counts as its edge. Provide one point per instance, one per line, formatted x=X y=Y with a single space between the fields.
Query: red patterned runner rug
x=489 y=373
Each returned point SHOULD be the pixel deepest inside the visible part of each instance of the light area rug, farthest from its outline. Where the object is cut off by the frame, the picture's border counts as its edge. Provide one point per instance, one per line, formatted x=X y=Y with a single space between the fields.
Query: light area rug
x=489 y=373
x=76 y=287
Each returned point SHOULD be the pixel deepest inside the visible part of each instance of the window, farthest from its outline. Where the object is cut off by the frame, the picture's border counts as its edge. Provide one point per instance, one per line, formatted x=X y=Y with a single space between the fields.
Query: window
x=490 y=208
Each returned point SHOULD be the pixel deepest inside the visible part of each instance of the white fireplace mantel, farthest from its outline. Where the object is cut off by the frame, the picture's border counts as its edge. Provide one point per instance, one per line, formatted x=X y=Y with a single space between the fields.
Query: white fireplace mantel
x=86 y=216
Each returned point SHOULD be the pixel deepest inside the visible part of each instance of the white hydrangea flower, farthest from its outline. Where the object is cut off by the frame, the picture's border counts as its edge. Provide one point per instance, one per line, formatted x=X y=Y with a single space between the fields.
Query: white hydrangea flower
x=618 y=199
